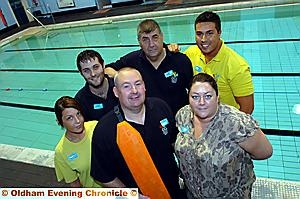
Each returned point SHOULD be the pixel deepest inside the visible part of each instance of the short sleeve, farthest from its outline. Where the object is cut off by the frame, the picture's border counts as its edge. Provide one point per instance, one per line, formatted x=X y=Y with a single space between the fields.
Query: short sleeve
x=242 y=126
x=184 y=118
x=245 y=87
x=62 y=170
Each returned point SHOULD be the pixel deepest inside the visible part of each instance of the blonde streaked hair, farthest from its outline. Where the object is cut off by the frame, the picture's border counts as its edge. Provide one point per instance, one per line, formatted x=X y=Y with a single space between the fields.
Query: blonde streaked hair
x=147 y=26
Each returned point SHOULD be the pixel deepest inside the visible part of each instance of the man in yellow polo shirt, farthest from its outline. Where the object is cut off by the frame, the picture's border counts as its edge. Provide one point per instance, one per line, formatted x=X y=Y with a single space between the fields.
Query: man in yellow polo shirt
x=230 y=70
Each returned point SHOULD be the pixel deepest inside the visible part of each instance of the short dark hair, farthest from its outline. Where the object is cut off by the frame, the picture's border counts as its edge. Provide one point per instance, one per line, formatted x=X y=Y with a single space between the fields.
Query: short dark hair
x=87 y=55
x=62 y=103
x=209 y=16
x=203 y=77
x=147 y=26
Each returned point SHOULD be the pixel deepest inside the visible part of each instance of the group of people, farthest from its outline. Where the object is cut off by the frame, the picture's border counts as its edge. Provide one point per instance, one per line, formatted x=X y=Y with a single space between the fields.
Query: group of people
x=196 y=105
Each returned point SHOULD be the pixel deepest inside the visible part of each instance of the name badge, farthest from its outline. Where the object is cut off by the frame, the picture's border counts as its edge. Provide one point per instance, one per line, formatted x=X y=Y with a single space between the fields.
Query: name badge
x=168 y=74
x=72 y=156
x=184 y=129
x=198 y=69
x=164 y=122
x=98 y=106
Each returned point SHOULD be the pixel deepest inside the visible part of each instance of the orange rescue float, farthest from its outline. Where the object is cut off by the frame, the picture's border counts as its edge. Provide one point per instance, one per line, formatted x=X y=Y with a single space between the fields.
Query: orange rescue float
x=139 y=162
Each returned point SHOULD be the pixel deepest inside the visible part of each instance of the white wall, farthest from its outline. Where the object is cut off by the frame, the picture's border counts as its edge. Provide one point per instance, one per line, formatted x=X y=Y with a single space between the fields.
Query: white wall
x=51 y=5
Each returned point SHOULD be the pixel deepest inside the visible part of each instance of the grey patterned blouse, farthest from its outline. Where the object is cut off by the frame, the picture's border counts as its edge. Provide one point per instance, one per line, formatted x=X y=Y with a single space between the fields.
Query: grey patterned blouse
x=214 y=165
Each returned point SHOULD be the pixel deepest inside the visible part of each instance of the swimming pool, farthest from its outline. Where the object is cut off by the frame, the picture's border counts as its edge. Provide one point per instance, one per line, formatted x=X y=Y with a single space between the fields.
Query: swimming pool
x=37 y=69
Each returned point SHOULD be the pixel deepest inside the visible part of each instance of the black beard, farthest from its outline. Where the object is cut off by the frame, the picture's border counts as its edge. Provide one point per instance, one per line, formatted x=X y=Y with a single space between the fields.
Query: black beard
x=101 y=84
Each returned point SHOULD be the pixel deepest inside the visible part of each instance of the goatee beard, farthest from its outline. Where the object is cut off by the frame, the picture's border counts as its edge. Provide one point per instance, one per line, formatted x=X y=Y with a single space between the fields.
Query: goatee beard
x=101 y=84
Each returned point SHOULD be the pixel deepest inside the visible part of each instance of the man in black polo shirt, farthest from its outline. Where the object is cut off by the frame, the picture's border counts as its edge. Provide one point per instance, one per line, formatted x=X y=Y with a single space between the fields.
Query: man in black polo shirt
x=166 y=74
x=152 y=118
x=96 y=97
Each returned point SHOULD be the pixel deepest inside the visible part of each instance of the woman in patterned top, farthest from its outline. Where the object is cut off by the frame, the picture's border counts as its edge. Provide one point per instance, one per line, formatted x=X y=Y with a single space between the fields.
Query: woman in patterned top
x=216 y=144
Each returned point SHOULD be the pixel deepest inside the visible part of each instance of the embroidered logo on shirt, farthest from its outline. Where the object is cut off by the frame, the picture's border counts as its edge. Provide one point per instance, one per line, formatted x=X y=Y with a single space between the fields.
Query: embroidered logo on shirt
x=72 y=156
x=173 y=76
x=163 y=127
x=98 y=106
x=198 y=69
